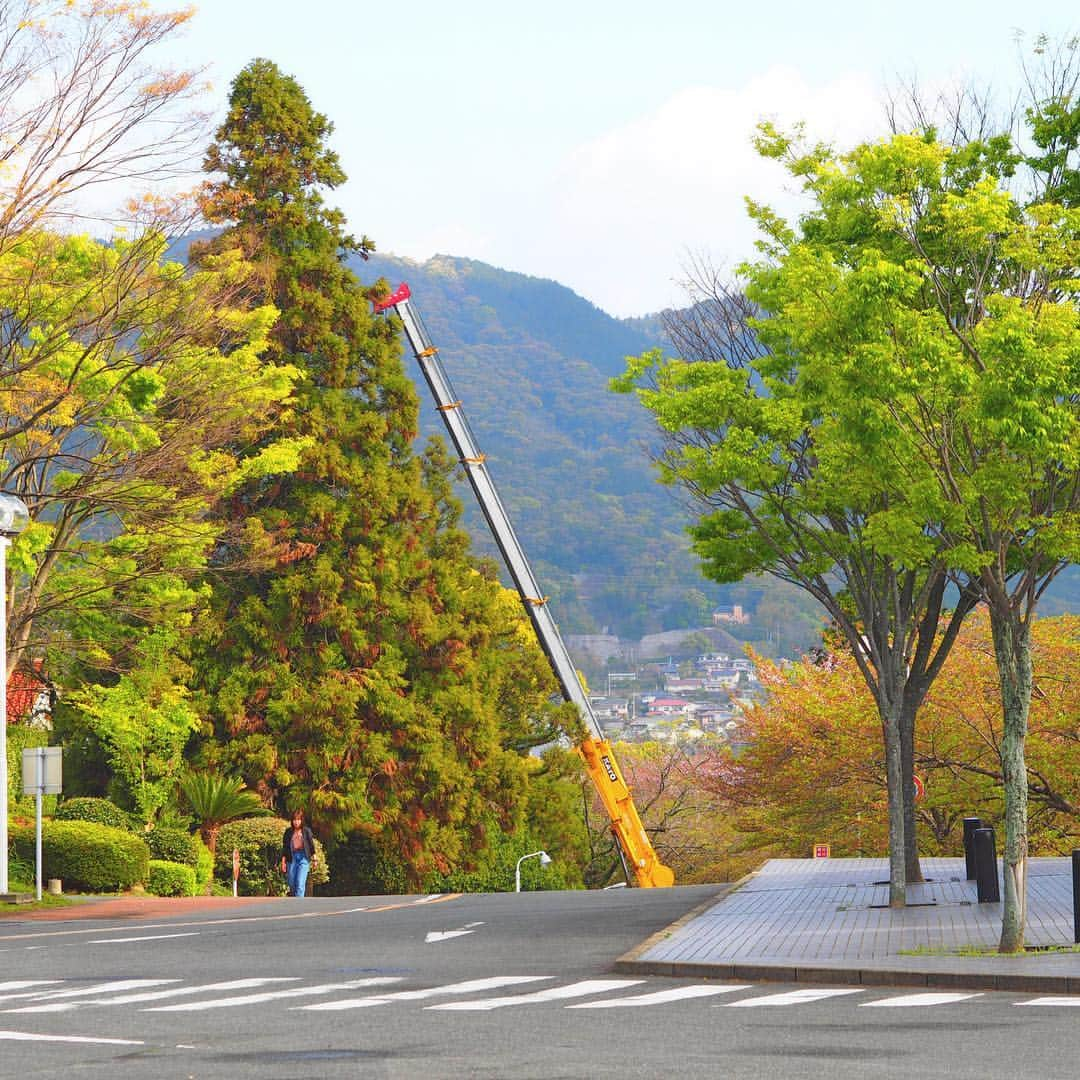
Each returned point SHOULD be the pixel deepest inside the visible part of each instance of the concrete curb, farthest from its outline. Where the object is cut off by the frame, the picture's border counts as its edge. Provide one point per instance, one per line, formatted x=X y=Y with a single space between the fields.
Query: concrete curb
x=842 y=976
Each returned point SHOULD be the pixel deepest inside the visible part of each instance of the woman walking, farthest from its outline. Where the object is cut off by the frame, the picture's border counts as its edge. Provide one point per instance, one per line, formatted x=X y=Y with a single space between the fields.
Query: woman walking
x=297 y=853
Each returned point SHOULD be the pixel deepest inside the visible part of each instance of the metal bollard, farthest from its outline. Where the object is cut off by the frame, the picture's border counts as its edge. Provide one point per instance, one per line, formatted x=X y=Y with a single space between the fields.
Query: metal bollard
x=1076 y=894
x=970 y=825
x=986 y=873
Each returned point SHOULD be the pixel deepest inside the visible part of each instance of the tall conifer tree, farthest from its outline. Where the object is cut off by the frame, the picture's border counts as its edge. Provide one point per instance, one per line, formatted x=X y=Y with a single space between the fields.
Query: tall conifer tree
x=361 y=667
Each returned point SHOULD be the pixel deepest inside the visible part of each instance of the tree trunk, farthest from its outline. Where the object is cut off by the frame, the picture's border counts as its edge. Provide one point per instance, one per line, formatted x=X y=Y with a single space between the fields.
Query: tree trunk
x=890 y=717
x=912 y=868
x=1012 y=649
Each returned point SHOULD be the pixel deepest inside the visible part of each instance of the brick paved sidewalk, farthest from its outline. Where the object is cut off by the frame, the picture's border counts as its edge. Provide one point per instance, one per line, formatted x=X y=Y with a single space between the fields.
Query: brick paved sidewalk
x=828 y=920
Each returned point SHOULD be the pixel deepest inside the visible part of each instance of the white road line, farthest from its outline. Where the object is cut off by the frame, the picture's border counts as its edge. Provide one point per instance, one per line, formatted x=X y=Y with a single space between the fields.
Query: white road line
x=22 y=984
x=274 y=995
x=29 y=1036
x=792 y=997
x=152 y=937
x=191 y=922
x=152 y=995
x=912 y=1000
x=660 y=997
x=1062 y=1000
x=556 y=993
x=472 y=986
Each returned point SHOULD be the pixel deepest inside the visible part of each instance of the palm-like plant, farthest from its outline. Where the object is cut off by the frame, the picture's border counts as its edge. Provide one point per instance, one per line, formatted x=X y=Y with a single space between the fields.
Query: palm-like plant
x=217 y=800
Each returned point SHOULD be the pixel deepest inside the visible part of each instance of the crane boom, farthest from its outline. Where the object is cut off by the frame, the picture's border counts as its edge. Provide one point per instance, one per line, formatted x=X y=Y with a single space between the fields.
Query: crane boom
x=635 y=847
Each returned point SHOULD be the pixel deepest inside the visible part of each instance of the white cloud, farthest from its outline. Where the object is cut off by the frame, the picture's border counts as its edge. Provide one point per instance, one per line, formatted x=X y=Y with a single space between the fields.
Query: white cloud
x=623 y=211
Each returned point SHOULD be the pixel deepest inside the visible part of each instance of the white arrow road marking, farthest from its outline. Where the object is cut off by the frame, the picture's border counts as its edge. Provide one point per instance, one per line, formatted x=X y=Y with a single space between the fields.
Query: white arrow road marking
x=443 y=935
x=556 y=993
x=27 y=1036
x=1063 y=1000
x=472 y=986
x=152 y=995
x=793 y=997
x=429 y=899
x=22 y=984
x=911 y=1000
x=152 y=937
x=274 y=995
x=659 y=998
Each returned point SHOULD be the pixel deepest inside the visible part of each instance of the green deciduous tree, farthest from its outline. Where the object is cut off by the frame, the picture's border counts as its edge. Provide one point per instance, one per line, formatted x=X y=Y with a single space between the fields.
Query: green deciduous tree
x=928 y=313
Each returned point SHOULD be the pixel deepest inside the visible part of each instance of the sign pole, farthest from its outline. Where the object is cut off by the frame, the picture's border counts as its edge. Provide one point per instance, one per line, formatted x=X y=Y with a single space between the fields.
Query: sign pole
x=39 y=784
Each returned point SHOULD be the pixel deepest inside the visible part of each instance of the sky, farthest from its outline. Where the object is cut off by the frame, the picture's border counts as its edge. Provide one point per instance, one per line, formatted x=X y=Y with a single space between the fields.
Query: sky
x=602 y=144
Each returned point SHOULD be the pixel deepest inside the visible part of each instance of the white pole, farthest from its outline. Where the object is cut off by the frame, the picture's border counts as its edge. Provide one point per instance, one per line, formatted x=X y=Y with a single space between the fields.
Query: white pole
x=39 y=762
x=4 y=541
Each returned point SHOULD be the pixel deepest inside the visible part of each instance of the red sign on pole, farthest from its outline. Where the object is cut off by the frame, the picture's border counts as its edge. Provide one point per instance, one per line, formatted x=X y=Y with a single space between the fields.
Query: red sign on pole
x=920 y=789
x=821 y=851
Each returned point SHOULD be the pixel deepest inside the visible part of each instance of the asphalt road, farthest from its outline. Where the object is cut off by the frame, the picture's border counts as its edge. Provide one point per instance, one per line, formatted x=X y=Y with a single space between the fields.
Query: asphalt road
x=479 y=986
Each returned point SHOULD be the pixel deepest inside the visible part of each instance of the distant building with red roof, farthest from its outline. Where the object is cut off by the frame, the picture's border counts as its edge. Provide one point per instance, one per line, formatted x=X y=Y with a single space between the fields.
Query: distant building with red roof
x=28 y=700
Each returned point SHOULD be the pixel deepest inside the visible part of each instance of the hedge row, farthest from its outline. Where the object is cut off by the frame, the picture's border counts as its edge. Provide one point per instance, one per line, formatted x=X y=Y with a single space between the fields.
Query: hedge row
x=88 y=857
x=93 y=856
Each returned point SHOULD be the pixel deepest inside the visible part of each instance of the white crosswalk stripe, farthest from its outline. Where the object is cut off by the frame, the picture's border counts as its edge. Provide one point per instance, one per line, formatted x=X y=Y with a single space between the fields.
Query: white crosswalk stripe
x=26 y=996
x=23 y=984
x=274 y=995
x=150 y=995
x=471 y=986
x=914 y=1000
x=792 y=997
x=556 y=993
x=660 y=997
x=89 y=991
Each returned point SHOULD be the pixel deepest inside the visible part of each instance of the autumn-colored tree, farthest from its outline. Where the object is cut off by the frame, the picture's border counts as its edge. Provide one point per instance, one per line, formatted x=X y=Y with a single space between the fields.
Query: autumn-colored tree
x=812 y=768
x=363 y=668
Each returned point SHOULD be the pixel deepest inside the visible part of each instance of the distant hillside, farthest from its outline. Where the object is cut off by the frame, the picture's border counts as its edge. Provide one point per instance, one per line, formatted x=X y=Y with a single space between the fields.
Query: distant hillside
x=531 y=360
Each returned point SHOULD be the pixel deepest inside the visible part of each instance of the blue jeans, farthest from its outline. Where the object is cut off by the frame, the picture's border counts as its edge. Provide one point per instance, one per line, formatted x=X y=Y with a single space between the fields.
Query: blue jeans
x=298 y=872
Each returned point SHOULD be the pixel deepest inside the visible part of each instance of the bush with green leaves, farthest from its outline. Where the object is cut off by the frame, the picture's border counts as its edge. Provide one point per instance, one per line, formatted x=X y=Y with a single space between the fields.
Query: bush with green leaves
x=166 y=878
x=173 y=845
x=87 y=856
x=259 y=842
x=90 y=808
x=204 y=866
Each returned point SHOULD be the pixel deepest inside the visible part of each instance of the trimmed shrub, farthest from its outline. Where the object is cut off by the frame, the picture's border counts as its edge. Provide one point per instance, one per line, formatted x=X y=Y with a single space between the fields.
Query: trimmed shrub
x=90 y=808
x=173 y=845
x=88 y=857
x=259 y=842
x=170 y=879
x=204 y=865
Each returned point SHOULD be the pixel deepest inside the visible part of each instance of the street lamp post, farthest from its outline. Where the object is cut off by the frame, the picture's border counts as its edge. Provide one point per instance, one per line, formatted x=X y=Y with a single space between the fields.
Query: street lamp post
x=14 y=517
x=545 y=860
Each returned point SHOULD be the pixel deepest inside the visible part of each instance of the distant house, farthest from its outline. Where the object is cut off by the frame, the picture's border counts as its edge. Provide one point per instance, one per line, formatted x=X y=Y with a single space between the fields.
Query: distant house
x=678 y=684
x=29 y=700
x=733 y=614
x=668 y=707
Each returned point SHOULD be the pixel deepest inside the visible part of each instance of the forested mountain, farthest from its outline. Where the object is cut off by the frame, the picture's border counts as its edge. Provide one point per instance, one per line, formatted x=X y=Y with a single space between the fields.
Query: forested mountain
x=531 y=361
